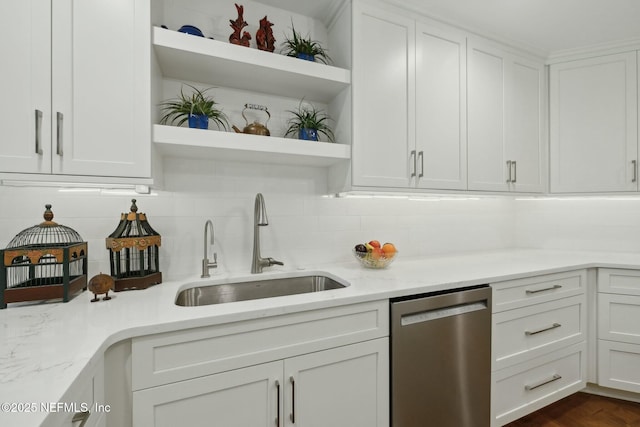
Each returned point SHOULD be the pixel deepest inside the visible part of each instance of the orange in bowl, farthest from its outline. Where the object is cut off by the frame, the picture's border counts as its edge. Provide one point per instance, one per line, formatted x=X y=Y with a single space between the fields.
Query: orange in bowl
x=389 y=250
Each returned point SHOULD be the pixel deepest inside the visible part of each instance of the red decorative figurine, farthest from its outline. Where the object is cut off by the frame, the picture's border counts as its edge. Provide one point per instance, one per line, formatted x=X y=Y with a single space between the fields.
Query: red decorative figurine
x=264 y=36
x=237 y=26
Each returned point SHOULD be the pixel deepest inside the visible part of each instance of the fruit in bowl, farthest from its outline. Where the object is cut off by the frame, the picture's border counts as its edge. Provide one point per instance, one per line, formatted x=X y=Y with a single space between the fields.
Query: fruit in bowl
x=375 y=255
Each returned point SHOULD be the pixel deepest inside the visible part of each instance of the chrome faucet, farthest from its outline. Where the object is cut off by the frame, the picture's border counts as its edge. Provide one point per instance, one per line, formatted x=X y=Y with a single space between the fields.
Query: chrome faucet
x=206 y=265
x=260 y=220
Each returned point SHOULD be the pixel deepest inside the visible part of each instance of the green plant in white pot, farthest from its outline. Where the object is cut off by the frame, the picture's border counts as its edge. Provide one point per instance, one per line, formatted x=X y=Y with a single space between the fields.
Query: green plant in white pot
x=308 y=122
x=196 y=109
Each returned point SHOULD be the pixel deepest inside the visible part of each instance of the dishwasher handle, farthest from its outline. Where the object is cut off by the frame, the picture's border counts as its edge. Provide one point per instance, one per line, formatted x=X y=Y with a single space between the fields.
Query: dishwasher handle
x=440 y=313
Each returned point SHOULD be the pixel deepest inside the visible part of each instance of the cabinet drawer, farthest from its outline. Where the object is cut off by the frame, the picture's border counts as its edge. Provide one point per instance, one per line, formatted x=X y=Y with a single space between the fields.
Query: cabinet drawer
x=618 y=281
x=533 y=290
x=176 y=356
x=619 y=365
x=531 y=331
x=619 y=318
x=527 y=387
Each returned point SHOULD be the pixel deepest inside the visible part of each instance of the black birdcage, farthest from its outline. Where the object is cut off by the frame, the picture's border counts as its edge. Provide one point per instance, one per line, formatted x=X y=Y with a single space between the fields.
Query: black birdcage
x=133 y=252
x=46 y=261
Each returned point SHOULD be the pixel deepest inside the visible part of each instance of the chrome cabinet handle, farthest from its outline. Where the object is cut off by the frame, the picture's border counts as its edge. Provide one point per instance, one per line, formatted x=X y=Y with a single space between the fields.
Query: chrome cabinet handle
x=59 y=121
x=39 y=132
x=509 y=169
x=548 y=328
x=515 y=171
x=634 y=164
x=535 y=291
x=421 y=156
x=278 y=403
x=81 y=417
x=292 y=417
x=413 y=156
x=534 y=386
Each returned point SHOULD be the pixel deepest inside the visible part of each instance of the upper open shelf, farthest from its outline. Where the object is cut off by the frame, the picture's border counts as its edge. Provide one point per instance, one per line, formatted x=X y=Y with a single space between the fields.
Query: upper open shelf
x=198 y=59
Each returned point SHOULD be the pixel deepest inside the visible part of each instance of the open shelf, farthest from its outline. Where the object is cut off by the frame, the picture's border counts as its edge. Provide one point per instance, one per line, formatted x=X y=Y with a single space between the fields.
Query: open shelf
x=184 y=142
x=187 y=57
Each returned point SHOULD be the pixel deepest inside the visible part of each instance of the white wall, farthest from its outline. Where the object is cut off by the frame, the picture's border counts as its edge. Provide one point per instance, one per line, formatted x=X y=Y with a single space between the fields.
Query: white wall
x=305 y=227
x=609 y=223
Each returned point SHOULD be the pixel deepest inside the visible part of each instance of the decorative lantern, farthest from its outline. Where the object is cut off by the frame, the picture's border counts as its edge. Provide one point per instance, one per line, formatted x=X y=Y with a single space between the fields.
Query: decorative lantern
x=133 y=252
x=46 y=261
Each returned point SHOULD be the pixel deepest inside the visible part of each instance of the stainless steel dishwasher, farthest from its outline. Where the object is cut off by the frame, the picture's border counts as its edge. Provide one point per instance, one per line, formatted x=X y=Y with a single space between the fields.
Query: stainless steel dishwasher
x=441 y=359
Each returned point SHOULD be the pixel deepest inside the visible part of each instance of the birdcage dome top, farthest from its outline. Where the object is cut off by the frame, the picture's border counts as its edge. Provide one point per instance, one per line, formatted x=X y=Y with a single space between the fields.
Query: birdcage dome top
x=47 y=233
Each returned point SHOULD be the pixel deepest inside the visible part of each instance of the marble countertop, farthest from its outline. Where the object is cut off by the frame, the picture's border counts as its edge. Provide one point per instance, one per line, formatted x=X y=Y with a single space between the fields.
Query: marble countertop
x=46 y=347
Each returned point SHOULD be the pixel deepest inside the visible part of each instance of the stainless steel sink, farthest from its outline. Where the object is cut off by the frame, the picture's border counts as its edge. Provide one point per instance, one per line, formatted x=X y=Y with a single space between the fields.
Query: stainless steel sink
x=255 y=289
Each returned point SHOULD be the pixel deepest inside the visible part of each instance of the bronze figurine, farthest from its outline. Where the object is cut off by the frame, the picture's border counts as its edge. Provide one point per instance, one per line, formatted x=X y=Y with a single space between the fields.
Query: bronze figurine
x=237 y=26
x=264 y=36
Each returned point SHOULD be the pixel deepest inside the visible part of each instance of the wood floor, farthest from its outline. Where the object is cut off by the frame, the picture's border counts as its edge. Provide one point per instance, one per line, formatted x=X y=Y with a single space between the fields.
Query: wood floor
x=584 y=410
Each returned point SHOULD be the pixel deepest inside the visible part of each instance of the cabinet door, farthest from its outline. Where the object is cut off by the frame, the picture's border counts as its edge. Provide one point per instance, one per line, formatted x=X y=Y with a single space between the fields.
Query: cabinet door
x=239 y=398
x=441 y=108
x=383 y=98
x=101 y=90
x=619 y=365
x=345 y=386
x=523 y=124
x=593 y=124
x=487 y=167
x=25 y=42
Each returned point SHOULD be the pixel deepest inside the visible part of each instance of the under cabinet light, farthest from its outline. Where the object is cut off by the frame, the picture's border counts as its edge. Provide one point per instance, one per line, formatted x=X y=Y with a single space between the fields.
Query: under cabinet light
x=79 y=186
x=421 y=197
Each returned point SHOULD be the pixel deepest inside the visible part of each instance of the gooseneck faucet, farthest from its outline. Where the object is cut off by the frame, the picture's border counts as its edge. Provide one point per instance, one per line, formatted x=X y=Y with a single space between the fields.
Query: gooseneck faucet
x=260 y=220
x=206 y=265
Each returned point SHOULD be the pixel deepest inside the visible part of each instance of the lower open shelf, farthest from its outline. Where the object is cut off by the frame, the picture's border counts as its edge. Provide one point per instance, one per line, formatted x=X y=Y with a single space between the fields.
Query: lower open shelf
x=184 y=142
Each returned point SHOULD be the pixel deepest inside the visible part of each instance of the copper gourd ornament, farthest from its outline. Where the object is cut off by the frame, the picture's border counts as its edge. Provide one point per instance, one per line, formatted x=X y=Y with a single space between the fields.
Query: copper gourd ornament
x=101 y=284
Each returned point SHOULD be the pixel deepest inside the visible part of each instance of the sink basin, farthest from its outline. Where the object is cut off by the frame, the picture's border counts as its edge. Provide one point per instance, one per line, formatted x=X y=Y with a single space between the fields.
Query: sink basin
x=255 y=289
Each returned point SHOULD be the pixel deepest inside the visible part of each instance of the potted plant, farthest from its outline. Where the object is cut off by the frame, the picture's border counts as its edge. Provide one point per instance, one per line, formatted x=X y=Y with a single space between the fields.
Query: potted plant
x=196 y=108
x=304 y=48
x=307 y=122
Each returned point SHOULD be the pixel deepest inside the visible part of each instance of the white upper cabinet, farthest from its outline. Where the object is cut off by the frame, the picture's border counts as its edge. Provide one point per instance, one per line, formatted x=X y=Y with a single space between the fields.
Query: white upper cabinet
x=25 y=86
x=409 y=102
x=593 y=124
x=505 y=110
x=101 y=90
x=78 y=82
x=524 y=125
x=441 y=107
x=383 y=98
x=486 y=137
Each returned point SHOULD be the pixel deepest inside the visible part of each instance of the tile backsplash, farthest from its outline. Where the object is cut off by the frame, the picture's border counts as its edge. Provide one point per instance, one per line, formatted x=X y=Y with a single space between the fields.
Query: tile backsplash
x=305 y=227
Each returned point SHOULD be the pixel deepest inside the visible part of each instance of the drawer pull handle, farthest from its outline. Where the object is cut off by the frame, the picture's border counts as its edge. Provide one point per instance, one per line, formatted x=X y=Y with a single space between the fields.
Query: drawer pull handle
x=81 y=417
x=534 y=386
x=59 y=121
x=278 y=403
x=554 y=326
x=535 y=291
x=415 y=165
x=38 y=132
x=292 y=416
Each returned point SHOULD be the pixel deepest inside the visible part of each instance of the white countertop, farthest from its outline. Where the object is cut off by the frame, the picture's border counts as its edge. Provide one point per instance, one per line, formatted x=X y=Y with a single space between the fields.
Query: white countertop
x=45 y=347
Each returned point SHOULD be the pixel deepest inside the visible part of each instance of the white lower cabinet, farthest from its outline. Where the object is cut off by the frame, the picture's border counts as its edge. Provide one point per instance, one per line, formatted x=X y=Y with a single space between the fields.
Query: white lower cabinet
x=84 y=402
x=527 y=387
x=327 y=367
x=539 y=342
x=242 y=397
x=340 y=386
x=619 y=329
x=619 y=365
